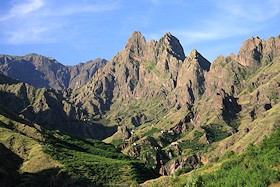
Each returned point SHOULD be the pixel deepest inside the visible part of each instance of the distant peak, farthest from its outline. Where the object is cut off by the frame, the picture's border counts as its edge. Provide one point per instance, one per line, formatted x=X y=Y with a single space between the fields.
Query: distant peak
x=168 y=34
x=137 y=34
x=173 y=44
x=32 y=54
x=169 y=37
x=254 y=46
x=203 y=62
x=136 y=39
x=194 y=54
x=136 y=43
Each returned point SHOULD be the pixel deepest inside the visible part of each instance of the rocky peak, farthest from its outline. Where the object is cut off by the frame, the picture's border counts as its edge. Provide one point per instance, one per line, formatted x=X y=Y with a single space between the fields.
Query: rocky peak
x=172 y=45
x=251 y=51
x=136 y=44
x=195 y=56
x=136 y=37
x=191 y=77
x=271 y=50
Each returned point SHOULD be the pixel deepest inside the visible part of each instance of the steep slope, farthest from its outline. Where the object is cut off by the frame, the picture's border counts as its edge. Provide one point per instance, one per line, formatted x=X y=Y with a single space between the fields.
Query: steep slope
x=40 y=71
x=257 y=166
x=32 y=156
x=175 y=111
x=143 y=74
x=49 y=108
x=80 y=74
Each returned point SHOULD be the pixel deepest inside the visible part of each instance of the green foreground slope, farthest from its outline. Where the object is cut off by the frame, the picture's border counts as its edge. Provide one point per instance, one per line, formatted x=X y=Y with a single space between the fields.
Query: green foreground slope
x=257 y=166
x=31 y=156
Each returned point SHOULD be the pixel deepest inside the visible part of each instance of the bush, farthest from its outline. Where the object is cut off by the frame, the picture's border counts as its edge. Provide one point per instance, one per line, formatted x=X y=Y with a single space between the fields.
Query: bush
x=214 y=133
x=184 y=169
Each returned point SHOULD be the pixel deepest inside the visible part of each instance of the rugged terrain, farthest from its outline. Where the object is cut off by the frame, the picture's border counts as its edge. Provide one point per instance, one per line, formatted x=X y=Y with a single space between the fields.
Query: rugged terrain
x=45 y=72
x=172 y=109
x=172 y=112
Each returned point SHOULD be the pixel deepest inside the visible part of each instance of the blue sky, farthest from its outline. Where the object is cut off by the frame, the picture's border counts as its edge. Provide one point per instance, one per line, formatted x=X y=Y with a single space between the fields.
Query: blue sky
x=74 y=31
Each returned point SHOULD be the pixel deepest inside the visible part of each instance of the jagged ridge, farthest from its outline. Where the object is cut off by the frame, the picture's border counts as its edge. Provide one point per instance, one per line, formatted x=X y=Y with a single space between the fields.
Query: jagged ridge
x=47 y=72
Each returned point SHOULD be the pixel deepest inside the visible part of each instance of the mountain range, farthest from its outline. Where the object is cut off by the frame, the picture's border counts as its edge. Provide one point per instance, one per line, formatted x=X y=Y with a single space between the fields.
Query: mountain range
x=45 y=72
x=171 y=112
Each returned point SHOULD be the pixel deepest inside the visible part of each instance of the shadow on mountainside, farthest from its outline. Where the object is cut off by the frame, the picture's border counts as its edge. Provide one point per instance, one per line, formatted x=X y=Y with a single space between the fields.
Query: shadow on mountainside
x=9 y=166
x=53 y=118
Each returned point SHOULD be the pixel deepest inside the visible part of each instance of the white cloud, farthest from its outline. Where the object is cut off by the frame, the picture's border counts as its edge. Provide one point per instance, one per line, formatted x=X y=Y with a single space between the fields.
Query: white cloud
x=211 y=30
x=232 y=18
x=28 y=35
x=253 y=10
x=41 y=21
x=23 y=9
x=86 y=8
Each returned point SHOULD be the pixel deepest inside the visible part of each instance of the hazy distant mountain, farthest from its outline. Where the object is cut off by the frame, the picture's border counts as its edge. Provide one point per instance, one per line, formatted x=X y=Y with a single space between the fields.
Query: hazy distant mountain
x=49 y=108
x=41 y=71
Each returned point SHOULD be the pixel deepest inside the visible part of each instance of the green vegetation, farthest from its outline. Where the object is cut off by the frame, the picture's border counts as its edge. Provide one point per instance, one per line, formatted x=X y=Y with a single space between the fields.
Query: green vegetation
x=214 y=133
x=94 y=162
x=194 y=144
x=150 y=66
x=117 y=143
x=194 y=181
x=184 y=169
x=151 y=132
x=257 y=166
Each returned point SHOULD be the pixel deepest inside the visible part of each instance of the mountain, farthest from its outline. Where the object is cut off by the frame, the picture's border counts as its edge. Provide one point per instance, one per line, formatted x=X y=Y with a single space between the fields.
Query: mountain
x=83 y=72
x=49 y=108
x=170 y=108
x=47 y=72
x=144 y=72
x=173 y=112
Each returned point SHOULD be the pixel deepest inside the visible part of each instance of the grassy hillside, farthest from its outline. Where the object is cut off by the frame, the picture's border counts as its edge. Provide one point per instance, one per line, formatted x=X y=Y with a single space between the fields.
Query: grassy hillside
x=31 y=156
x=94 y=162
x=257 y=166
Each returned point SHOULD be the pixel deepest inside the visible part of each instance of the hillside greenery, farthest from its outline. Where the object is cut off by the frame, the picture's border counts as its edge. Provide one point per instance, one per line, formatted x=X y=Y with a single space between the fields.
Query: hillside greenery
x=257 y=166
x=94 y=162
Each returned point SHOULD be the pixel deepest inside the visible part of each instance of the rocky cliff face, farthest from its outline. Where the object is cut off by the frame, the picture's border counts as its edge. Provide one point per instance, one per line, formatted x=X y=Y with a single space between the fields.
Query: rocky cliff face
x=183 y=104
x=41 y=71
x=191 y=78
x=83 y=72
x=146 y=70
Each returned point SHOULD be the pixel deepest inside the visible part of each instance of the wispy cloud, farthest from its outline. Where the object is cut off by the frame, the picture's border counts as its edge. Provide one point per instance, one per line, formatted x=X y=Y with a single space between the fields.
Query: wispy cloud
x=22 y=9
x=253 y=10
x=39 y=21
x=86 y=8
x=233 y=18
x=29 y=35
x=211 y=30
